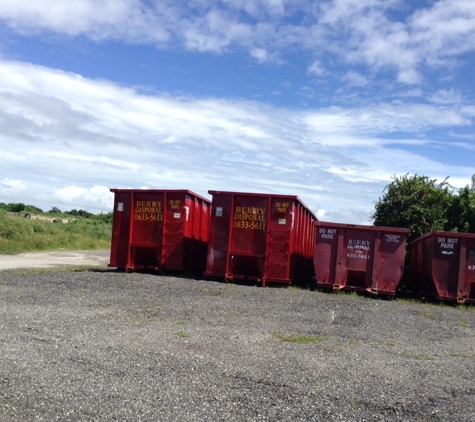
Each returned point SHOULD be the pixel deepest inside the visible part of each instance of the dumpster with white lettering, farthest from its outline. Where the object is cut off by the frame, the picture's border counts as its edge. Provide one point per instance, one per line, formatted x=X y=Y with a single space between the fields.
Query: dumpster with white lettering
x=159 y=230
x=260 y=237
x=361 y=258
x=443 y=266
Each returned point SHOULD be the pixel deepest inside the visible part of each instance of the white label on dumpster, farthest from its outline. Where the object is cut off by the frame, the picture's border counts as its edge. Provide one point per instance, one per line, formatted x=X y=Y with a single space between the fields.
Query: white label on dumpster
x=120 y=206
x=326 y=233
x=447 y=244
x=392 y=238
x=176 y=215
x=282 y=221
x=219 y=211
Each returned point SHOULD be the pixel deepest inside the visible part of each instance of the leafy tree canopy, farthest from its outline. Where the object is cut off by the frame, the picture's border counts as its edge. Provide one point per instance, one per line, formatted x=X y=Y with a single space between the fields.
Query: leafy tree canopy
x=422 y=204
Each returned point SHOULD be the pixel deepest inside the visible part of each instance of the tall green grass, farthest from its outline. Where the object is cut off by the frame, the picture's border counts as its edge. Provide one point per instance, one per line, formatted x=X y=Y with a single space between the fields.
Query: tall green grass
x=19 y=234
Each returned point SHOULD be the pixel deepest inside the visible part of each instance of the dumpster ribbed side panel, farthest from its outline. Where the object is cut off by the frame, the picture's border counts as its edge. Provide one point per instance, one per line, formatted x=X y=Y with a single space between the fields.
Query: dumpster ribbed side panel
x=260 y=237
x=159 y=230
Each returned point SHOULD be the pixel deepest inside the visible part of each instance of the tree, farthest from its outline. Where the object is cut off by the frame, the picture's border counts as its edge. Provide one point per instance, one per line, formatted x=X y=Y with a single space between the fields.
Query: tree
x=461 y=214
x=415 y=202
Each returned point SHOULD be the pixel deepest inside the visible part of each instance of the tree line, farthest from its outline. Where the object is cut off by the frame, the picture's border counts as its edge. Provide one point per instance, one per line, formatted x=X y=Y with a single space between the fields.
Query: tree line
x=19 y=207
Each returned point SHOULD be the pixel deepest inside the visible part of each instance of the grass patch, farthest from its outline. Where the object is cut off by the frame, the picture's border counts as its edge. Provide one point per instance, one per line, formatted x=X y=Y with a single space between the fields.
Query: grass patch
x=83 y=290
x=19 y=234
x=11 y=292
x=419 y=356
x=460 y=355
x=151 y=312
x=428 y=313
x=387 y=343
x=462 y=322
x=297 y=338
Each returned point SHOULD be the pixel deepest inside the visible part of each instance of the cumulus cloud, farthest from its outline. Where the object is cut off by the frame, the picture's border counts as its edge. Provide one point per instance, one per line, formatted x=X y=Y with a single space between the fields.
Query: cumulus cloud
x=78 y=197
x=66 y=140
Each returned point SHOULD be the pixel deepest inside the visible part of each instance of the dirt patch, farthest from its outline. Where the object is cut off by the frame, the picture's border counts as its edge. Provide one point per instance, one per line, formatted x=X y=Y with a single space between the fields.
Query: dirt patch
x=54 y=259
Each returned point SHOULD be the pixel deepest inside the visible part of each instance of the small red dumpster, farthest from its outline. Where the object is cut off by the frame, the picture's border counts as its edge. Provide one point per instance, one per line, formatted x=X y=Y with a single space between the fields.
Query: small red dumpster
x=268 y=238
x=443 y=266
x=159 y=230
x=360 y=258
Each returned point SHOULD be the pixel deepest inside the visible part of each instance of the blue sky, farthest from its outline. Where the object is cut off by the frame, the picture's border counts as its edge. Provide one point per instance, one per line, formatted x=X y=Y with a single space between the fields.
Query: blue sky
x=326 y=100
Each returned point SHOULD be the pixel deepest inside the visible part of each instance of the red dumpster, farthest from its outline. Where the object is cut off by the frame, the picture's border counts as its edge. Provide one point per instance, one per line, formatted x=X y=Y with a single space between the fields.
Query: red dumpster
x=443 y=266
x=159 y=230
x=360 y=258
x=267 y=238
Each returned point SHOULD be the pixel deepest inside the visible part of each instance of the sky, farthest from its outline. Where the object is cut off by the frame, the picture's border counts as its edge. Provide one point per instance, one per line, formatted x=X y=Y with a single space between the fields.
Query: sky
x=326 y=99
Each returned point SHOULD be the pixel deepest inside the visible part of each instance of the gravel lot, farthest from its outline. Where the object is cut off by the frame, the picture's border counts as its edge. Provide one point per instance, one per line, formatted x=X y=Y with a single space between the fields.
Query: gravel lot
x=104 y=345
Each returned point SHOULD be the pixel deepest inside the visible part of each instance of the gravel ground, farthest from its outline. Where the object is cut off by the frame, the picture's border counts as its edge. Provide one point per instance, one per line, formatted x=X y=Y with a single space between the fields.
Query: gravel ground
x=104 y=345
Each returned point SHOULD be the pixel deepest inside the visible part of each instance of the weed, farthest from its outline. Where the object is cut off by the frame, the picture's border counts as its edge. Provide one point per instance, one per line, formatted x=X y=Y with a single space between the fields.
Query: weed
x=358 y=405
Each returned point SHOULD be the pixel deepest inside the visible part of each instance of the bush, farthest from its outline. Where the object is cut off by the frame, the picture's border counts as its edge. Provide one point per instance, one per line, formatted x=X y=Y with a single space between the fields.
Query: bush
x=16 y=207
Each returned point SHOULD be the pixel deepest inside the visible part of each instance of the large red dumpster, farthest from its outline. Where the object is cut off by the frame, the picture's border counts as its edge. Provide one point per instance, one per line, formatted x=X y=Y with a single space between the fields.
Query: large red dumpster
x=159 y=230
x=360 y=258
x=268 y=238
x=443 y=266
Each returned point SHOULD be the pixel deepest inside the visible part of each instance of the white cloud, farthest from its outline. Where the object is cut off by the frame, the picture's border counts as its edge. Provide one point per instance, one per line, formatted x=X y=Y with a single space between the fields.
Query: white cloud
x=353 y=32
x=99 y=20
x=445 y=96
x=263 y=56
x=11 y=185
x=316 y=69
x=77 y=197
x=66 y=140
x=355 y=78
